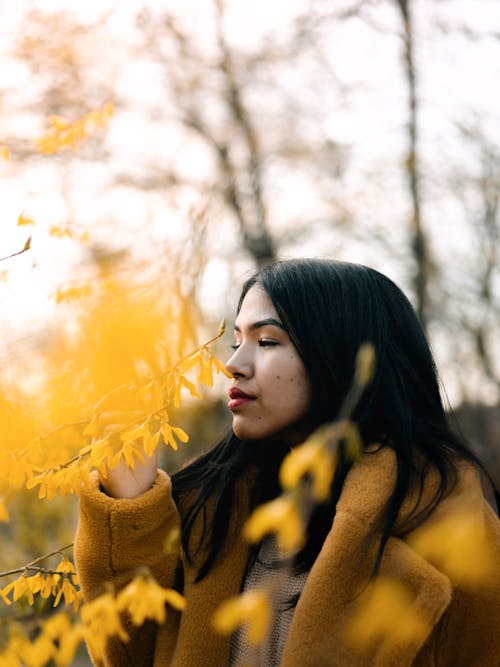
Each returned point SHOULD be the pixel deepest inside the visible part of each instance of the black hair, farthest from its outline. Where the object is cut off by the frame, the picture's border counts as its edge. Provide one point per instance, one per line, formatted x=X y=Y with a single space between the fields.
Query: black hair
x=329 y=309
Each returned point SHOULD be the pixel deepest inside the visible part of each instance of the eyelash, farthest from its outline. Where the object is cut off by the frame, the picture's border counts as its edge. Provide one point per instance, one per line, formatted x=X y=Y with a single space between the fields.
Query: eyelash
x=262 y=343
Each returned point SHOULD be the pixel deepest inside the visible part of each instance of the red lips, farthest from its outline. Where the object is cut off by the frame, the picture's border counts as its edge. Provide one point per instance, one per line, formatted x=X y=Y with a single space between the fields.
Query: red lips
x=238 y=398
x=237 y=393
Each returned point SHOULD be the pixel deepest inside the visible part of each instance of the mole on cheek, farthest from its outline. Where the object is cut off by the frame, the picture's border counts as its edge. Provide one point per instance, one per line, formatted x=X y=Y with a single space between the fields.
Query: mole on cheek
x=278 y=377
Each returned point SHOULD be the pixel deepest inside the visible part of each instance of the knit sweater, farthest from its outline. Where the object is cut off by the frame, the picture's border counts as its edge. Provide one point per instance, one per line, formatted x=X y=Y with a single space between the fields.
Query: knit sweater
x=265 y=572
x=116 y=536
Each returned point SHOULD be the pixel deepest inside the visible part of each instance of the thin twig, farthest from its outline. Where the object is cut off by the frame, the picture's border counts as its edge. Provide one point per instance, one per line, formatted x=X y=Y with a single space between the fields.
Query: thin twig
x=37 y=560
x=26 y=247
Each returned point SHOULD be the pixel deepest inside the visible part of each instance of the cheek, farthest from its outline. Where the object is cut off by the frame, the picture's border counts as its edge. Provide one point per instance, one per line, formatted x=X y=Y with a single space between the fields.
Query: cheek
x=290 y=388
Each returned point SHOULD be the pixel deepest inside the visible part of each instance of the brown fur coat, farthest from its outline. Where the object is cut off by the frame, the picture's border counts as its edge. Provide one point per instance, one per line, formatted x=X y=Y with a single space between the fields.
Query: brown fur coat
x=115 y=537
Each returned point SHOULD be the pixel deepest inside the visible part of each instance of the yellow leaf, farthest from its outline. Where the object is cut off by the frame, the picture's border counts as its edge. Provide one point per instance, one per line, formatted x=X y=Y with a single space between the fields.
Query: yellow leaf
x=25 y=220
x=180 y=434
x=71 y=293
x=385 y=609
x=60 y=232
x=457 y=545
x=143 y=598
x=172 y=541
x=183 y=381
x=101 y=620
x=312 y=458
x=280 y=516
x=365 y=363
x=251 y=609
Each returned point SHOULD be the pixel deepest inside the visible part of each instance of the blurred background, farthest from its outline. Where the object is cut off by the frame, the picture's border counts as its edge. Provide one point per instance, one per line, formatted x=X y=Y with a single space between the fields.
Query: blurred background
x=238 y=132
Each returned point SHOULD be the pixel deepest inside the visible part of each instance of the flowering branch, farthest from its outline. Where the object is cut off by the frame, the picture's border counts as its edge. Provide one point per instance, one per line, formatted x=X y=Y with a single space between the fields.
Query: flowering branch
x=31 y=566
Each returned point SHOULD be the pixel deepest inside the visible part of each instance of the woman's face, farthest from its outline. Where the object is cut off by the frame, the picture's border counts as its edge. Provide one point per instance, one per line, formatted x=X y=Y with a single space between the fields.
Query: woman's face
x=270 y=393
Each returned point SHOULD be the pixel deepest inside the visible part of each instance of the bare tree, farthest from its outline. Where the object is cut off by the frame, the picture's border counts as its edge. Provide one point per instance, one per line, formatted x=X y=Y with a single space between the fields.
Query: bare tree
x=419 y=240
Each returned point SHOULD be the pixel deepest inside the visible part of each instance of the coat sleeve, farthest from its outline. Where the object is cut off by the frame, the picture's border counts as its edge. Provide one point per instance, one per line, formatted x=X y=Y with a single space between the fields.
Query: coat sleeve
x=114 y=538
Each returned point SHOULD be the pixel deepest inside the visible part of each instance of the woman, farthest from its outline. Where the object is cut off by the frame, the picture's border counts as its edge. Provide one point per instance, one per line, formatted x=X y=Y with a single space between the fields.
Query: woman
x=299 y=326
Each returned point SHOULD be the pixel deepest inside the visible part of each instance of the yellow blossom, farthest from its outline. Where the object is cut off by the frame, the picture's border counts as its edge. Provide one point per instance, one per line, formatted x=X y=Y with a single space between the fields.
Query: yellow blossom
x=172 y=541
x=385 y=609
x=101 y=620
x=168 y=432
x=365 y=362
x=68 y=644
x=43 y=584
x=25 y=220
x=56 y=626
x=4 y=153
x=3 y=595
x=61 y=232
x=64 y=134
x=71 y=293
x=22 y=587
x=251 y=609
x=144 y=598
x=456 y=544
x=311 y=458
x=280 y=516
x=67 y=567
x=39 y=652
x=72 y=596
x=352 y=438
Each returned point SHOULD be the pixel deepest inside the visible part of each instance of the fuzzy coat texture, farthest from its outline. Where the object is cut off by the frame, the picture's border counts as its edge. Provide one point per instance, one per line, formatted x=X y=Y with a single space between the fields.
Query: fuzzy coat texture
x=116 y=536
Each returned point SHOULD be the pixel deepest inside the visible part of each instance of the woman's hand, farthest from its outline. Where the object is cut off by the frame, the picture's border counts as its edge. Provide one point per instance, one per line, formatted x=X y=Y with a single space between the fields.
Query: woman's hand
x=120 y=481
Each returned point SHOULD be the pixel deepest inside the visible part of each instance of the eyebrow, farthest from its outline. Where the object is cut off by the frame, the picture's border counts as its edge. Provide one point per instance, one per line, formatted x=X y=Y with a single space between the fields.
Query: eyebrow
x=269 y=321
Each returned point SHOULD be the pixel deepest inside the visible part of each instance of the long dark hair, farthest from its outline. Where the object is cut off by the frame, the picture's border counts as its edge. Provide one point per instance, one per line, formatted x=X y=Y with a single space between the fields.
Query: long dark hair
x=329 y=309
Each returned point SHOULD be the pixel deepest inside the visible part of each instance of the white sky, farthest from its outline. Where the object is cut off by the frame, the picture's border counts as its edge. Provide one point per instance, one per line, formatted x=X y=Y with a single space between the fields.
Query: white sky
x=454 y=75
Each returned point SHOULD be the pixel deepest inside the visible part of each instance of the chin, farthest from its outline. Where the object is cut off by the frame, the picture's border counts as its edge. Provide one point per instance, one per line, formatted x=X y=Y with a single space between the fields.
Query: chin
x=246 y=432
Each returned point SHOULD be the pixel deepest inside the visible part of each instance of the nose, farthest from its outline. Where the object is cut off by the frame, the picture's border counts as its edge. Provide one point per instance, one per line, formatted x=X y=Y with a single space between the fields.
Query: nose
x=240 y=364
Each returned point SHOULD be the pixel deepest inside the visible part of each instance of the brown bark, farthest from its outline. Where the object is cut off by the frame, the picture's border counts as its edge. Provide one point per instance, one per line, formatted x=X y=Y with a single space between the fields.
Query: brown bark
x=419 y=243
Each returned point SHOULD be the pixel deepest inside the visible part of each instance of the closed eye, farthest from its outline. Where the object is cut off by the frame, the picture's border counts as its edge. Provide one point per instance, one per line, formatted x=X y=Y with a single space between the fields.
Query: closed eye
x=262 y=343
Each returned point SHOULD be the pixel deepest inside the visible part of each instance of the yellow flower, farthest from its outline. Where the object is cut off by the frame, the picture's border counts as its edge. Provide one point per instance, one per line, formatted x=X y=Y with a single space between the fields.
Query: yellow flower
x=457 y=546
x=3 y=594
x=4 y=153
x=365 y=363
x=39 y=652
x=251 y=609
x=144 y=598
x=384 y=609
x=101 y=620
x=168 y=432
x=68 y=643
x=56 y=626
x=60 y=232
x=67 y=566
x=72 y=596
x=280 y=516
x=43 y=584
x=311 y=458
x=71 y=293
x=64 y=134
x=21 y=586
x=172 y=541
x=25 y=220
